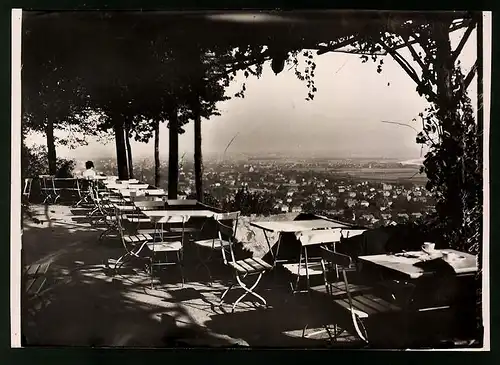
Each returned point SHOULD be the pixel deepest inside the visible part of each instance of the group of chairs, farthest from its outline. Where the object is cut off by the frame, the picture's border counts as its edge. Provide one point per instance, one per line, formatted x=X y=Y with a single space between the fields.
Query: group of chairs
x=52 y=193
x=379 y=309
x=159 y=241
x=354 y=301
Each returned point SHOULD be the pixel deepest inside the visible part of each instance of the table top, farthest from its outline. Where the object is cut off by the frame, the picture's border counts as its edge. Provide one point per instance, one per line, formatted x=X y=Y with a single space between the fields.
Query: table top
x=145 y=192
x=297 y=226
x=321 y=236
x=118 y=188
x=467 y=263
x=124 y=208
x=187 y=213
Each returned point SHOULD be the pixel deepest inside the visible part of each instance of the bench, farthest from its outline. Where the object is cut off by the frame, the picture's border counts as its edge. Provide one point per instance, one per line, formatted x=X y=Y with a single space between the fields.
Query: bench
x=35 y=278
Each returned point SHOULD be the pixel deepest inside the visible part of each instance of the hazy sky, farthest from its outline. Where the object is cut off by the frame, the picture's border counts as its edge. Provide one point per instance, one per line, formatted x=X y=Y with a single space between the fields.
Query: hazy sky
x=344 y=119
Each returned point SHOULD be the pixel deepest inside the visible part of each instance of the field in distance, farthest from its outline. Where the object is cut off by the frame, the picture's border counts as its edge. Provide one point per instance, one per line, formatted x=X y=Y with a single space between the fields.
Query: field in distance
x=410 y=173
x=392 y=174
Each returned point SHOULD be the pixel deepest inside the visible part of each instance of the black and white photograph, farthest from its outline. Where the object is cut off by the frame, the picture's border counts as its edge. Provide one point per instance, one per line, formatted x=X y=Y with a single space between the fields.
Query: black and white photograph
x=250 y=179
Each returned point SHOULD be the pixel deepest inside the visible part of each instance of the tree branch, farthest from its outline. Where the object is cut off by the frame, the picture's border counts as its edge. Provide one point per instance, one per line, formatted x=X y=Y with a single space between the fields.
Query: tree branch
x=470 y=75
x=416 y=57
x=407 y=68
x=347 y=42
x=262 y=58
x=464 y=39
x=402 y=62
x=358 y=52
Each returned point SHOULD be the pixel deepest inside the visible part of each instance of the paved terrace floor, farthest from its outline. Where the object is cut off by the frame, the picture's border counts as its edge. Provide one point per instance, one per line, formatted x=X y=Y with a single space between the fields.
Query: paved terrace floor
x=88 y=306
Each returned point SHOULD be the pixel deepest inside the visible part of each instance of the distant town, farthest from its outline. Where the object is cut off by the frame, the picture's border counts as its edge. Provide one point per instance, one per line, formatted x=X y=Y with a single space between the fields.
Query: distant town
x=367 y=193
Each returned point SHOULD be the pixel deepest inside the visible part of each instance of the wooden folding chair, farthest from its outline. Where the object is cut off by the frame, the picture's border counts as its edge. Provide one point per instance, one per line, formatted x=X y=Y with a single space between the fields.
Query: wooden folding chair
x=27 y=189
x=132 y=243
x=102 y=207
x=139 y=217
x=84 y=191
x=358 y=305
x=241 y=268
x=47 y=187
x=214 y=244
x=165 y=242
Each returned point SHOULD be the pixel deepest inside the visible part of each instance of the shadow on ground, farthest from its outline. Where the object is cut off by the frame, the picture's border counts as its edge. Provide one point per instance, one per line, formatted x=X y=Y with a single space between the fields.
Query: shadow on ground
x=91 y=306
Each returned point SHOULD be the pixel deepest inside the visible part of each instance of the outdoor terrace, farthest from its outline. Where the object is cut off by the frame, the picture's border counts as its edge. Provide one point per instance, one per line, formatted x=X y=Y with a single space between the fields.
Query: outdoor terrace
x=90 y=307
x=85 y=304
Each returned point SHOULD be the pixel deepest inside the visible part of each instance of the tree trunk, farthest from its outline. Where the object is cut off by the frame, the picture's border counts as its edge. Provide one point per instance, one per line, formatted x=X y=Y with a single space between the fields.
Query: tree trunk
x=198 y=158
x=452 y=136
x=129 y=154
x=173 y=155
x=480 y=110
x=157 y=154
x=51 y=147
x=121 y=151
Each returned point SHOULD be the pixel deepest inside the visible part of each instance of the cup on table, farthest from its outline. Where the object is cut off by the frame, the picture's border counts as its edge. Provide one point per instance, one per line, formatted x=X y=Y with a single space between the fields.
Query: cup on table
x=428 y=246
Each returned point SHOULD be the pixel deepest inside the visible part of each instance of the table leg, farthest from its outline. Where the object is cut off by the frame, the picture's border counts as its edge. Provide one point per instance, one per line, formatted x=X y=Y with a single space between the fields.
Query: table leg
x=307 y=269
x=297 y=282
x=277 y=250
x=269 y=245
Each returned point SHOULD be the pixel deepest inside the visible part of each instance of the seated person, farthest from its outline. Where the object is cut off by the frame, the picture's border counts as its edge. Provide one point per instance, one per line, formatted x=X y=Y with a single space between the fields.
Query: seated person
x=89 y=172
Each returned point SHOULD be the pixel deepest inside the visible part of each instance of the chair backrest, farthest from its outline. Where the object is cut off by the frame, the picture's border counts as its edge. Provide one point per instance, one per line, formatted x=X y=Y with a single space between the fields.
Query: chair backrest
x=27 y=187
x=182 y=202
x=330 y=258
x=331 y=262
x=335 y=258
x=94 y=195
x=320 y=236
x=227 y=216
x=121 y=229
x=46 y=181
x=227 y=232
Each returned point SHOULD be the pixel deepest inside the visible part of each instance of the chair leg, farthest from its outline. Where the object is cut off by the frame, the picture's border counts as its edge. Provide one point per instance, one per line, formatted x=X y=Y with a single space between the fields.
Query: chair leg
x=225 y=292
x=248 y=290
x=151 y=272
x=304 y=331
x=332 y=338
x=121 y=261
x=204 y=264
x=297 y=282
x=360 y=328
x=180 y=267
x=106 y=232
x=47 y=198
